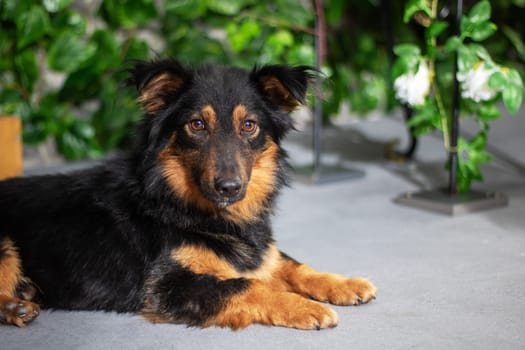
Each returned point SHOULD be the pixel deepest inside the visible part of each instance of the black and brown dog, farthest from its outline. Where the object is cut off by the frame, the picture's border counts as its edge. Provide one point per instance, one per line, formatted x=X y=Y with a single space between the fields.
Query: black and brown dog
x=178 y=229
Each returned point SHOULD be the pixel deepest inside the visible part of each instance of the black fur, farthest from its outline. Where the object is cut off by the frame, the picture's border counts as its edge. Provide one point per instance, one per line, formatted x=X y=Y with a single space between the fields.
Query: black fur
x=99 y=239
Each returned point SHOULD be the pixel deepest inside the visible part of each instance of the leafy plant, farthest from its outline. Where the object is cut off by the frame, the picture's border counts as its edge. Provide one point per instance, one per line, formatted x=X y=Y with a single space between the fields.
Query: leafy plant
x=62 y=79
x=484 y=83
x=239 y=32
x=357 y=60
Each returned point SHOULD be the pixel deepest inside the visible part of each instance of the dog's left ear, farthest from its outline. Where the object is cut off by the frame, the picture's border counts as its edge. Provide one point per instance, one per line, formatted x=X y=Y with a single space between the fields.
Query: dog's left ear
x=282 y=85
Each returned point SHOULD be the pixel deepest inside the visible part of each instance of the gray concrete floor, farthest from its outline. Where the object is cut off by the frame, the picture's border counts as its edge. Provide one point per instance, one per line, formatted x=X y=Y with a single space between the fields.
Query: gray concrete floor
x=444 y=282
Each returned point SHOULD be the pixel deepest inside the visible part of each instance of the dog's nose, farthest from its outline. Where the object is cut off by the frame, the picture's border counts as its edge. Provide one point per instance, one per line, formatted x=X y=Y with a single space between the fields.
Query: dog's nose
x=228 y=187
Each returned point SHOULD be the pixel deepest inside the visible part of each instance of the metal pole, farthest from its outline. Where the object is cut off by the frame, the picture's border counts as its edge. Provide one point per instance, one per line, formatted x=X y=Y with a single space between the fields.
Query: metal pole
x=454 y=125
x=387 y=12
x=318 y=108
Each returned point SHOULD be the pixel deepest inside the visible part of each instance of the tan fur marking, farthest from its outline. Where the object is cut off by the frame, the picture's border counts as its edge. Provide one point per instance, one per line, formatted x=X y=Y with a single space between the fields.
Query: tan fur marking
x=279 y=93
x=208 y=113
x=239 y=114
x=155 y=95
x=10 y=268
x=201 y=260
x=175 y=171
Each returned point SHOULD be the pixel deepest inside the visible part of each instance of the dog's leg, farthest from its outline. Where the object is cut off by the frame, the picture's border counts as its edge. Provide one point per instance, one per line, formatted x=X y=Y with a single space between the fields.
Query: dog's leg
x=204 y=300
x=262 y=304
x=12 y=309
x=199 y=288
x=325 y=287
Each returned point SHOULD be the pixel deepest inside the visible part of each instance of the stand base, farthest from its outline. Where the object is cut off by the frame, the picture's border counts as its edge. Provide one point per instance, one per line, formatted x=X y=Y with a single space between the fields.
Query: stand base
x=462 y=203
x=326 y=174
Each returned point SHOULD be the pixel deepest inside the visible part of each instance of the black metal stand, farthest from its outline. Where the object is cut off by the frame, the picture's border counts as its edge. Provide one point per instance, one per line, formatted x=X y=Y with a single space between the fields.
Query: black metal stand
x=461 y=203
x=408 y=153
x=450 y=201
x=319 y=173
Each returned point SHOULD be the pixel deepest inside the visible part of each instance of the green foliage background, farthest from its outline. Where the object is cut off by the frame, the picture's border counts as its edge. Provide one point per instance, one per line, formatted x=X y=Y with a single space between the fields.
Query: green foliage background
x=88 y=112
x=84 y=46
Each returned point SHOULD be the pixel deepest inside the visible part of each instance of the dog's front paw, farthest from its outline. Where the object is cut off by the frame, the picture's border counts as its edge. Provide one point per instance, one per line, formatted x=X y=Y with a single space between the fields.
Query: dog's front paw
x=264 y=306
x=350 y=291
x=18 y=312
x=308 y=315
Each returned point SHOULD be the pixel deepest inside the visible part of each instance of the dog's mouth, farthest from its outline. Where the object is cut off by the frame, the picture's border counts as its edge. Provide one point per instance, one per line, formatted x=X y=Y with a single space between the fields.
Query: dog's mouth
x=221 y=200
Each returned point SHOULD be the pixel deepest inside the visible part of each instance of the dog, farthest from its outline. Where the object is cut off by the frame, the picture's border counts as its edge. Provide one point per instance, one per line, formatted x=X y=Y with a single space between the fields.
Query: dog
x=178 y=228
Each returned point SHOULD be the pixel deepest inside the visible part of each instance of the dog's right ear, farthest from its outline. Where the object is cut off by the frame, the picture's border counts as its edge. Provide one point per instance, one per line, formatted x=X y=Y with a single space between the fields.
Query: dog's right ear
x=158 y=82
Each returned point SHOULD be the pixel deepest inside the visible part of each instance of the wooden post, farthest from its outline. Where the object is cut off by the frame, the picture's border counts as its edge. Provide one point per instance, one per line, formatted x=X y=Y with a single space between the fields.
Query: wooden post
x=10 y=147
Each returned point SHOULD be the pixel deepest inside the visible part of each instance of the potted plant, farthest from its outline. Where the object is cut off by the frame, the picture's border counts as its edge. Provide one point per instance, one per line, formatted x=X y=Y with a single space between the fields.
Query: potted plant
x=451 y=77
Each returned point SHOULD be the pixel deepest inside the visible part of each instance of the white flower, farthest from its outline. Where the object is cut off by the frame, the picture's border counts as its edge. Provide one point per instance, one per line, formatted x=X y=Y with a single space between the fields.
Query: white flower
x=413 y=88
x=475 y=83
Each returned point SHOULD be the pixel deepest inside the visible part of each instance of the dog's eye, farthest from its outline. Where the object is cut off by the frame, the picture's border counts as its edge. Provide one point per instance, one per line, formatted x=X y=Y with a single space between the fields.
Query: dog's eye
x=197 y=125
x=249 y=126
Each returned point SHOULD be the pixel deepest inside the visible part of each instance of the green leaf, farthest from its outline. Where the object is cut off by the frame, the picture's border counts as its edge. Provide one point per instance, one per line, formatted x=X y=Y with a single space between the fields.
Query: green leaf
x=466 y=26
x=115 y=116
x=241 y=36
x=480 y=12
x=44 y=120
x=226 y=7
x=489 y=111
x=136 y=49
x=68 y=51
x=75 y=139
x=409 y=50
x=80 y=85
x=514 y=78
x=426 y=119
x=480 y=52
x=128 y=13
x=26 y=68
x=483 y=31
x=276 y=44
x=106 y=51
x=13 y=103
x=470 y=156
x=12 y=10
x=189 y=9
x=436 y=28
x=401 y=66
x=414 y=6
x=453 y=43
x=497 y=80
x=512 y=97
x=301 y=54
x=478 y=142
x=31 y=26
x=467 y=58
x=56 y=5
x=34 y=133
x=68 y=20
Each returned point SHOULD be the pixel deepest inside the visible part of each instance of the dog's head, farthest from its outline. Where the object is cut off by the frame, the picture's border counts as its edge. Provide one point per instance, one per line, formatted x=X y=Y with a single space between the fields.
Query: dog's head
x=215 y=131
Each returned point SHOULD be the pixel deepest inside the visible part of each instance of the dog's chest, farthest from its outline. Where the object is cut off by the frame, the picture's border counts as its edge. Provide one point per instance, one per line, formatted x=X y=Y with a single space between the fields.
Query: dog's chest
x=202 y=260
